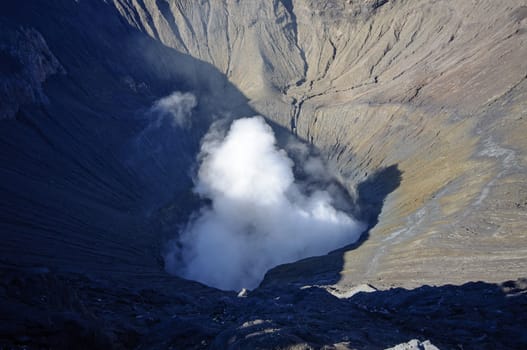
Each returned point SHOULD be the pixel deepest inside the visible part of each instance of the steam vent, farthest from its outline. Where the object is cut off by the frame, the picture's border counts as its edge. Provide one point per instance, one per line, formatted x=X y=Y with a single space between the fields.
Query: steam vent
x=278 y=174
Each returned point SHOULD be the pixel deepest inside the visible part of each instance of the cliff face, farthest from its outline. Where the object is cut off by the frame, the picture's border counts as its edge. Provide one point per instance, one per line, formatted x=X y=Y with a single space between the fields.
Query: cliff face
x=435 y=88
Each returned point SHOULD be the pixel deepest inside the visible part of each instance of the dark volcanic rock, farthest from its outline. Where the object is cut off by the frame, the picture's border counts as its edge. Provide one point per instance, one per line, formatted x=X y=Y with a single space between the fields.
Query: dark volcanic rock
x=62 y=311
x=25 y=63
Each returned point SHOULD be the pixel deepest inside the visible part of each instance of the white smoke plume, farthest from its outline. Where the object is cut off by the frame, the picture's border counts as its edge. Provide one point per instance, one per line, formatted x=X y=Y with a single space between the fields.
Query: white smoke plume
x=259 y=215
x=177 y=107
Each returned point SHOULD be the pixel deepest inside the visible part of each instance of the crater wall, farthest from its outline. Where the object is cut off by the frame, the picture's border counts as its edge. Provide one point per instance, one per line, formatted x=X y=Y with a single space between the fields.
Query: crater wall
x=437 y=88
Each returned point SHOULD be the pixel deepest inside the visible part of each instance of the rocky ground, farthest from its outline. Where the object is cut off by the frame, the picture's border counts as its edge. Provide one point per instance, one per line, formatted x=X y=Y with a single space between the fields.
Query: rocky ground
x=41 y=309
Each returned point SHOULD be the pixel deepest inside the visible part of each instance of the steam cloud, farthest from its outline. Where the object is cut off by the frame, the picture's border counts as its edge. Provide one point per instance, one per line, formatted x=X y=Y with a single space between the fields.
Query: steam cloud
x=177 y=107
x=158 y=151
x=259 y=216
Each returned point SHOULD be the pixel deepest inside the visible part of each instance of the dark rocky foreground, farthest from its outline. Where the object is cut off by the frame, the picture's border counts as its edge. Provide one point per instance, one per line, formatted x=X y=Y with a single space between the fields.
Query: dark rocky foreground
x=45 y=310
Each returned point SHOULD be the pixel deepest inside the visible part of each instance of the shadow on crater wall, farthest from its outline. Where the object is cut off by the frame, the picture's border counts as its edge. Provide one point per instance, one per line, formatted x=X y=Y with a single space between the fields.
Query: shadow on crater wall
x=373 y=191
x=72 y=196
